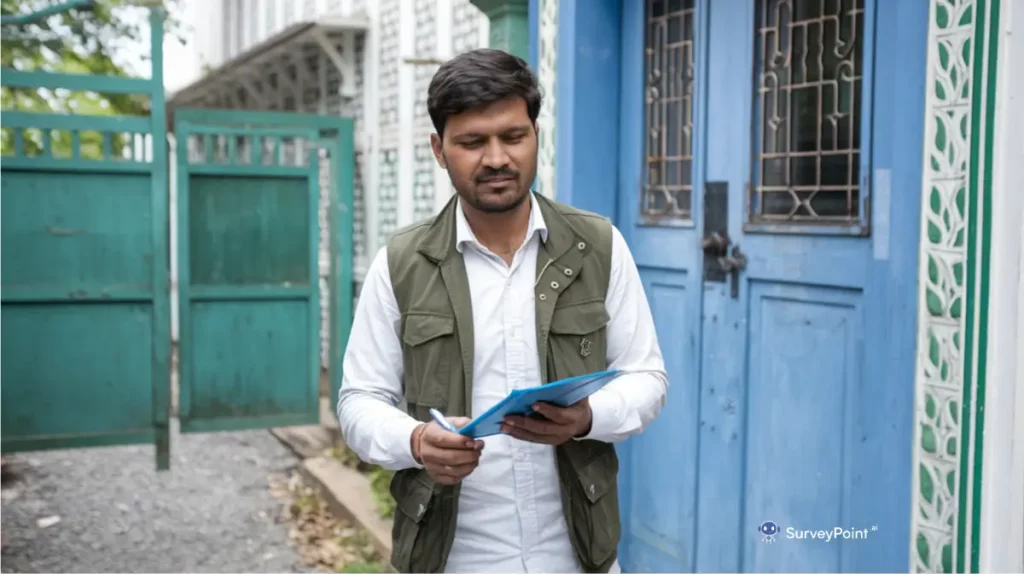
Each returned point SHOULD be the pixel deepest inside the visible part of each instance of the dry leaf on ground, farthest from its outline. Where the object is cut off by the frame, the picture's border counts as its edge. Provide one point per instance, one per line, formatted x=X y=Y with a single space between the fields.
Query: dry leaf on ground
x=323 y=540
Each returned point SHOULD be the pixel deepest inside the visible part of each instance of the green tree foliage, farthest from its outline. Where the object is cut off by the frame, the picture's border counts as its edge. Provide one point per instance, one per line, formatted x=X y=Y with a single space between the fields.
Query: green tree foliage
x=110 y=39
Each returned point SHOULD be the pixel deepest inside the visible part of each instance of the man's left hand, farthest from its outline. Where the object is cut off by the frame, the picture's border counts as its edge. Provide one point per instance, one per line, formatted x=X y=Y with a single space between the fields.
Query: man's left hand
x=558 y=425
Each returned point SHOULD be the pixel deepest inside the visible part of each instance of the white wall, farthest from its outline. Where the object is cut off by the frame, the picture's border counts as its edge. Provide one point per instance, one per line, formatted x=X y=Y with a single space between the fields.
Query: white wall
x=1002 y=528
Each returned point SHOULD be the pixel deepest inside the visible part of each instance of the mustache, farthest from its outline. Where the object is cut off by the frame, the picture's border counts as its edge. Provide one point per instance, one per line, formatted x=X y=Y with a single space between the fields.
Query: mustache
x=492 y=174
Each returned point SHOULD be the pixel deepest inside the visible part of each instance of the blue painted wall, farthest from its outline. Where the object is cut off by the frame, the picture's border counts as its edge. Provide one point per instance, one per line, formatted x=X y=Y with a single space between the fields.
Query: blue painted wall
x=587 y=130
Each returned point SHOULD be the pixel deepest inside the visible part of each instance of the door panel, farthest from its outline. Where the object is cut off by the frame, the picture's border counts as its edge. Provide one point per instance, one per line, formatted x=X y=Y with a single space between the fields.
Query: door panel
x=781 y=423
x=662 y=488
x=803 y=365
x=249 y=279
x=86 y=347
x=776 y=414
x=660 y=215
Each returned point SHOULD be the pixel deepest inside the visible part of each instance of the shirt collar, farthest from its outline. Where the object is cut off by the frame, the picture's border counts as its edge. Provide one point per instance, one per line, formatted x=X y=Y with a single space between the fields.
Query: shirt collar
x=464 y=234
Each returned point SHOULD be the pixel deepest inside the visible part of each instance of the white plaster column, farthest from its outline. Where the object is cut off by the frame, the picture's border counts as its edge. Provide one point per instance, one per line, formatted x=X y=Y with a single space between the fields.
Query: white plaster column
x=231 y=29
x=1002 y=511
x=442 y=184
x=259 y=8
x=369 y=130
x=406 y=118
x=547 y=69
x=279 y=17
x=485 y=32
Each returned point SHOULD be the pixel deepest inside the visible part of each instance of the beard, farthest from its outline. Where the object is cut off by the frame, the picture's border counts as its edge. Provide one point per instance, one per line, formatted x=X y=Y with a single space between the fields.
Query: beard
x=497 y=191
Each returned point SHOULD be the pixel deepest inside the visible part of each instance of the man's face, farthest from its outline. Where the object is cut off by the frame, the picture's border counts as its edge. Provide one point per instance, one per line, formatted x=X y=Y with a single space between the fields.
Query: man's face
x=490 y=154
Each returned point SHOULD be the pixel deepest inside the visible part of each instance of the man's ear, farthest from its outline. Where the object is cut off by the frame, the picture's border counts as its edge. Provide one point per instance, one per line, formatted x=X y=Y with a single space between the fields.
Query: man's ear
x=435 y=145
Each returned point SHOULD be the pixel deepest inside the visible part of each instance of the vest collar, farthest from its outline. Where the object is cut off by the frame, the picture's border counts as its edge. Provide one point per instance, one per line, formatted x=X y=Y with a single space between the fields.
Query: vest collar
x=444 y=235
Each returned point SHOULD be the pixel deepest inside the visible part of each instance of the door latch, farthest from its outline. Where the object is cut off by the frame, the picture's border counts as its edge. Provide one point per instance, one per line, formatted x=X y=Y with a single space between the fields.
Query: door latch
x=715 y=243
x=732 y=264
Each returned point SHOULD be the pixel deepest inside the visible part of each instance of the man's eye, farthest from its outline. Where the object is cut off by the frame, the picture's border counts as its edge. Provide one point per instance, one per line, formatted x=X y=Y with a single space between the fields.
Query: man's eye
x=472 y=144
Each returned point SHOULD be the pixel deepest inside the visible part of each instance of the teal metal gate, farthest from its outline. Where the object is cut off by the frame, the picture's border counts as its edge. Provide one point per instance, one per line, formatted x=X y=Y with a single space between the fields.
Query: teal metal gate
x=248 y=191
x=85 y=289
x=86 y=314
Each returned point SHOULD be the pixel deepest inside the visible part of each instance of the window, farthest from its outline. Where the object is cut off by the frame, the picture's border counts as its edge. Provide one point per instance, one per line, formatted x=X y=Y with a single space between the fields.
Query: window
x=808 y=66
x=668 y=115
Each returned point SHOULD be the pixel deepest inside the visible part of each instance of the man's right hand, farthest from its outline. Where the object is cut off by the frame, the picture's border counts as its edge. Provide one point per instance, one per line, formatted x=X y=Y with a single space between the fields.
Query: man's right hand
x=448 y=457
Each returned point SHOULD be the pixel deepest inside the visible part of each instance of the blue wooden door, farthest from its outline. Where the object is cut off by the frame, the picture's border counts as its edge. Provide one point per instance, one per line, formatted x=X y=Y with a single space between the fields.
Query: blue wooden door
x=763 y=236
x=660 y=218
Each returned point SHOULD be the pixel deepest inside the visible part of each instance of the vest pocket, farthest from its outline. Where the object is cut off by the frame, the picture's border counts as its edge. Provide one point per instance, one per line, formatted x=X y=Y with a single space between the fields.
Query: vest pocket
x=428 y=342
x=595 y=510
x=577 y=339
x=420 y=524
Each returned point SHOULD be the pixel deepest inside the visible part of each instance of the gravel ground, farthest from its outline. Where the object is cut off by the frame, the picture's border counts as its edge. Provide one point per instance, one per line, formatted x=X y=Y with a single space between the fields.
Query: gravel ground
x=211 y=512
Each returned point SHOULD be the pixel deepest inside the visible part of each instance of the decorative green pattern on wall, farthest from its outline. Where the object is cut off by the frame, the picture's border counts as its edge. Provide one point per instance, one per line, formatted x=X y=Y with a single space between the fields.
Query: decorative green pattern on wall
x=947 y=380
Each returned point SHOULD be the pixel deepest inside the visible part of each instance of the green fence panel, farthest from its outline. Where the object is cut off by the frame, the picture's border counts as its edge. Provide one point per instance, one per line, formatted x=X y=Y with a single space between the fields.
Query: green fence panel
x=84 y=282
x=248 y=193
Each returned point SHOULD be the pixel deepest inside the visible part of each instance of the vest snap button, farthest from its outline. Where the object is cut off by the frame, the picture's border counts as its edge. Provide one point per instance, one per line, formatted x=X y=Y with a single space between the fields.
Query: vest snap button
x=542 y=297
x=554 y=284
x=591 y=489
x=568 y=272
x=581 y=245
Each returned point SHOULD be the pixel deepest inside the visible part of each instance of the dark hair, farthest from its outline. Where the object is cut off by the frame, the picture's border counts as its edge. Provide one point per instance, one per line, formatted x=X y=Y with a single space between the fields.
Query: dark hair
x=479 y=78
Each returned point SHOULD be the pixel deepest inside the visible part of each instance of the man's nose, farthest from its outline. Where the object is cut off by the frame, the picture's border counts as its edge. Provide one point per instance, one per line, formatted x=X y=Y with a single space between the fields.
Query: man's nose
x=495 y=155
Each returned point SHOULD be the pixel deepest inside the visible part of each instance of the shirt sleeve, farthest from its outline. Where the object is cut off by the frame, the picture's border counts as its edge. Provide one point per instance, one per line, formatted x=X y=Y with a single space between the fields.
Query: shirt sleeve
x=371 y=423
x=625 y=406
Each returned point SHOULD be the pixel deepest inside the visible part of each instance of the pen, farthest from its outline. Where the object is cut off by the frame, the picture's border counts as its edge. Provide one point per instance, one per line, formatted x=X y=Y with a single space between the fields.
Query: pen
x=439 y=418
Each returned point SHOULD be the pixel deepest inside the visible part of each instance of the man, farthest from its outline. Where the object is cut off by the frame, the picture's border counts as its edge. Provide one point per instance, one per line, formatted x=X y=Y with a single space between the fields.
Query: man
x=502 y=290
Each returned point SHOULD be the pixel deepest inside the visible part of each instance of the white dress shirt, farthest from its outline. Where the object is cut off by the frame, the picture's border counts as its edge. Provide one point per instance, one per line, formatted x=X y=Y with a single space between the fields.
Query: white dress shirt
x=510 y=514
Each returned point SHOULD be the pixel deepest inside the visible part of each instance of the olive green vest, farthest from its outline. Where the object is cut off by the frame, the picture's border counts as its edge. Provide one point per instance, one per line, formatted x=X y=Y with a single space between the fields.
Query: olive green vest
x=429 y=279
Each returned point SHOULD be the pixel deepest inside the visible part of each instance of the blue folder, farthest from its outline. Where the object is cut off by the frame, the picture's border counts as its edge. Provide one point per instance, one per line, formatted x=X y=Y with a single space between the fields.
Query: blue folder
x=562 y=393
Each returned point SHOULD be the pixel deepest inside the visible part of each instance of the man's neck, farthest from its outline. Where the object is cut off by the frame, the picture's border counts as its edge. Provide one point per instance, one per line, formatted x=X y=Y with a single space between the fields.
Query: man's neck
x=501 y=233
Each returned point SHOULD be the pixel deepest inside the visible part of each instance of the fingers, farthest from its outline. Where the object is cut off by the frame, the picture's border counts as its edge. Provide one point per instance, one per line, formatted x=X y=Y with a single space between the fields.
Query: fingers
x=523 y=434
x=436 y=436
x=534 y=425
x=444 y=474
x=459 y=422
x=562 y=415
x=555 y=414
x=449 y=457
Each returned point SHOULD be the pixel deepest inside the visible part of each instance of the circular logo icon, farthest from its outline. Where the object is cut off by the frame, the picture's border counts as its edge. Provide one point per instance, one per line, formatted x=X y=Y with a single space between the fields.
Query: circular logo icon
x=768 y=530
